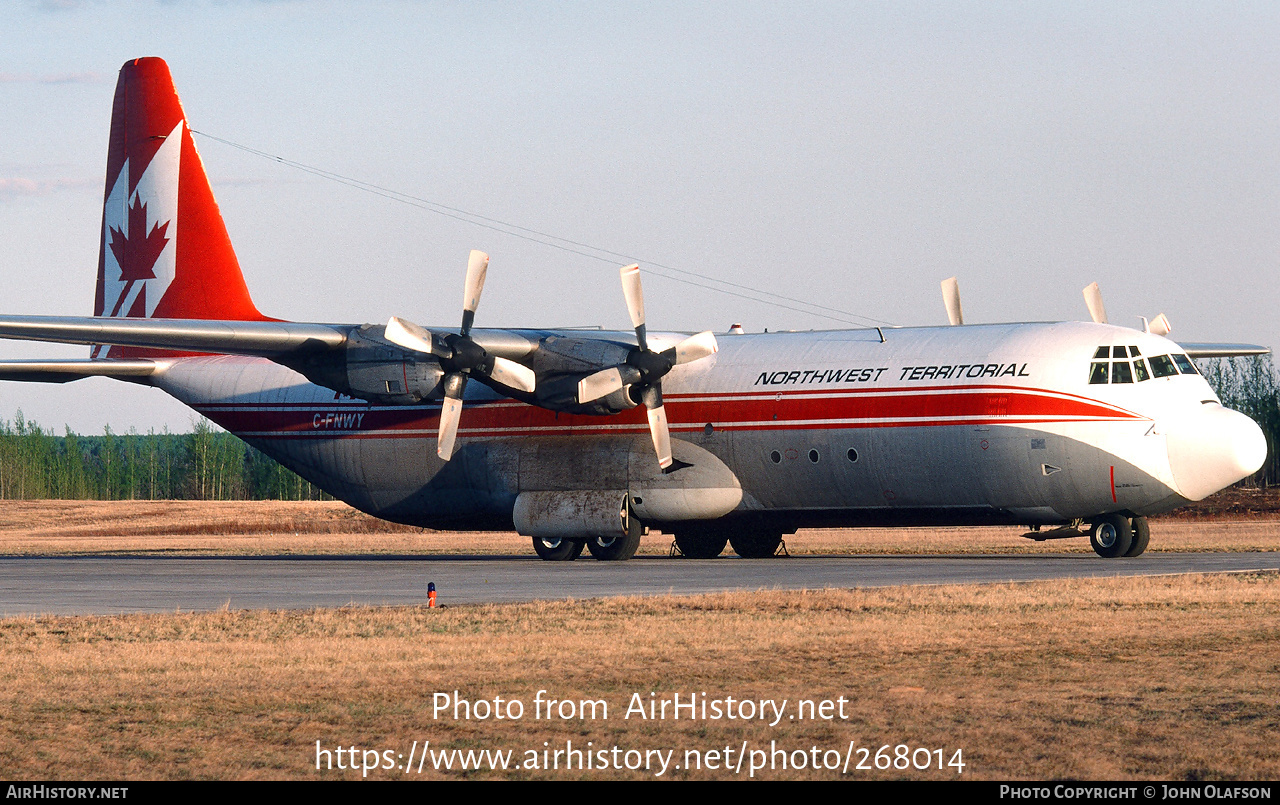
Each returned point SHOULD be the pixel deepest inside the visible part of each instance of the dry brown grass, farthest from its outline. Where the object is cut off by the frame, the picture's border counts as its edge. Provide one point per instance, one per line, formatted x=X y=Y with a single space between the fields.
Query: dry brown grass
x=330 y=527
x=1150 y=677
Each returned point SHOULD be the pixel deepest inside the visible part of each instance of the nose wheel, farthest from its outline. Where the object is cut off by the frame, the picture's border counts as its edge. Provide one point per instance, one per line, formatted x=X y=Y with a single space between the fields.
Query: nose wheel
x=1111 y=536
x=1116 y=535
x=1141 y=537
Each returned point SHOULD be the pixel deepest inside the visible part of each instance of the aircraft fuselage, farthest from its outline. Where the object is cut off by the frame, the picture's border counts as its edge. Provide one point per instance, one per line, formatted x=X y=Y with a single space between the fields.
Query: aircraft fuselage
x=941 y=425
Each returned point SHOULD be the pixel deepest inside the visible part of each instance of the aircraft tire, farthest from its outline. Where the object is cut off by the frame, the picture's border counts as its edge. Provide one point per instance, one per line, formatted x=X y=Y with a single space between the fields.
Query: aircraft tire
x=552 y=549
x=1141 y=537
x=614 y=549
x=755 y=544
x=1111 y=536
x=701 y=544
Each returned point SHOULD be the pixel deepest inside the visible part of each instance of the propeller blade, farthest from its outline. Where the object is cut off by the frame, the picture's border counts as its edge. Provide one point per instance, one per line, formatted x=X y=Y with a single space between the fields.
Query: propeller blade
x=635 y=300
x=455 y=383
x=951 y=298
x=513 y=375
x=450 y=413
x=477 y=268
x=1093 y=298
x=1160 y=325
x=658 y=430
x=661 y=435
x=601 y=384
x=696 y=347
x=409 y=335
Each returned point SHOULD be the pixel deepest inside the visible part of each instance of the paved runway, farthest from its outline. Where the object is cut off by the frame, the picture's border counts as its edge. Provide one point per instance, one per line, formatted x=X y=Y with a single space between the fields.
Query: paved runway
x=116 y=584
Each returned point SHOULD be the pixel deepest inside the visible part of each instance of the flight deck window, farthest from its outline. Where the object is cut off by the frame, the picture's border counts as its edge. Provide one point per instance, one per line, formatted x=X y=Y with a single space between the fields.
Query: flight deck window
x=1110 y=366
x=1161 y=366
x=1185 y=364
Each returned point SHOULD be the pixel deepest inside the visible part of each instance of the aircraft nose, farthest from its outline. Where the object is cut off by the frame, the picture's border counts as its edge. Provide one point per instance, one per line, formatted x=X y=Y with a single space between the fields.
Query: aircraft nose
x=1213 y=449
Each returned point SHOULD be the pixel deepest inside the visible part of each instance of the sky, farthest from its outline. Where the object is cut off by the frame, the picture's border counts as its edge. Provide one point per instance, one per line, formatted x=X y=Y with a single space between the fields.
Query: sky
x=846 y=155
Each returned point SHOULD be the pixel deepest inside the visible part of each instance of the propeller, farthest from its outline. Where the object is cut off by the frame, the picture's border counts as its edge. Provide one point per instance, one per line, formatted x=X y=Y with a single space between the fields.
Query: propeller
x=460 y=356
x=1093 y=298
x=951 y=298
x=1158 y=326
x=644 y=368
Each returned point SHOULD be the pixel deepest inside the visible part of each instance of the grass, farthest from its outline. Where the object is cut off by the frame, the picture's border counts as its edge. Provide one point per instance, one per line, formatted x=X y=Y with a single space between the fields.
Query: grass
x=1173 y=678
x=275 y=527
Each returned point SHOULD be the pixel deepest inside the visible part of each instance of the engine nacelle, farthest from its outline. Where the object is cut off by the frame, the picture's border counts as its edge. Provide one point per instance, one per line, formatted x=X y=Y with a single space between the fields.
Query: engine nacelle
x=372 y=369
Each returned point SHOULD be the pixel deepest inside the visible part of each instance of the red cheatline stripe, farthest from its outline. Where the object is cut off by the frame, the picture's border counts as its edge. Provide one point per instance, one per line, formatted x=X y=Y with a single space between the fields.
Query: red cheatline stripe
x=507 y=418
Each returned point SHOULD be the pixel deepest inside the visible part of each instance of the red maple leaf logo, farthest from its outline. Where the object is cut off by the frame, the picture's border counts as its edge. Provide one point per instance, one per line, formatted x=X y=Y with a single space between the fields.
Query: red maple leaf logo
x=137 y=253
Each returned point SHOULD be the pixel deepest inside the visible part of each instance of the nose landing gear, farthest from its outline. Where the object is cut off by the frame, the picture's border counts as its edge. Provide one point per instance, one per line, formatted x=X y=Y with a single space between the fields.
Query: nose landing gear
x=1116 y=535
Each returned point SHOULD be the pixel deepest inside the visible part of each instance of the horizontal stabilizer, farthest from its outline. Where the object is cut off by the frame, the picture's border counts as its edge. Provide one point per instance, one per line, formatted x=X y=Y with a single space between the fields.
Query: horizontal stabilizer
x=1223 y=350
x=64 y=371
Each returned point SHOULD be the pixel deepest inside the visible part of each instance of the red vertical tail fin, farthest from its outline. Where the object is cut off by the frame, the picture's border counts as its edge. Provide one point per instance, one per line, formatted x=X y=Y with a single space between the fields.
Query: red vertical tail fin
x=165 y=251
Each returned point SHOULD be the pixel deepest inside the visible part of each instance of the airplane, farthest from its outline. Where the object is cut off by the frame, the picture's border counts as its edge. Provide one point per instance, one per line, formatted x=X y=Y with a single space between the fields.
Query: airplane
x=586 y=439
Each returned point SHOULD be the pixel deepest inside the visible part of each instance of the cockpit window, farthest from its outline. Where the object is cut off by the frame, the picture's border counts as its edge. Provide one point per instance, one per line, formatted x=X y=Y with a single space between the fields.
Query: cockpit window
x=1185 y=364
x=1109 y=365
x=1162 y=366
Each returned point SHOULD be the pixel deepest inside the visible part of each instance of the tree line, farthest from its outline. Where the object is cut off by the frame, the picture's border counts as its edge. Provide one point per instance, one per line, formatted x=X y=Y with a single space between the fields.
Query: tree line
x=211 y=464
x=205 y=464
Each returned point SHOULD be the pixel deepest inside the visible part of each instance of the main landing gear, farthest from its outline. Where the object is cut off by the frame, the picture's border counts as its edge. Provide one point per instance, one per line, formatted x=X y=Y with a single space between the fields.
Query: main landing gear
x=557 y=549
x=606 y=549
x=1116 y=535
x=708 y=543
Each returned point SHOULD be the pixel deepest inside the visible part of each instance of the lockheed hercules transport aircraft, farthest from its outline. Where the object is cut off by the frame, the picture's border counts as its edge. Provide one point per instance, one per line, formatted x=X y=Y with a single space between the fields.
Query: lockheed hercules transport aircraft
x=586 y=438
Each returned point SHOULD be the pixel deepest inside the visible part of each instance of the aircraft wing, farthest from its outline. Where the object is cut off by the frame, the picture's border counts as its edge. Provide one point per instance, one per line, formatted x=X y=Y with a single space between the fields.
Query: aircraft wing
x=1223 y=350
x=267 y=339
